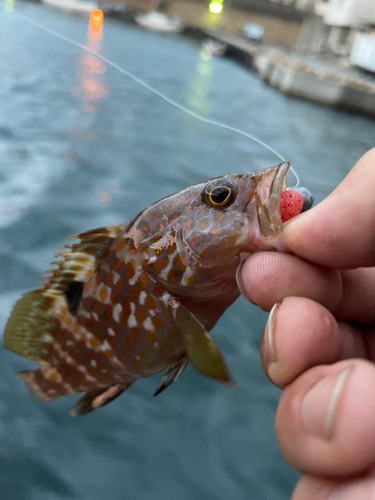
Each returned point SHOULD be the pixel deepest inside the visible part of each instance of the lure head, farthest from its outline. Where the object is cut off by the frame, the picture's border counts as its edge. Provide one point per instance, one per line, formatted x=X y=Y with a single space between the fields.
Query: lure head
x=209 y=225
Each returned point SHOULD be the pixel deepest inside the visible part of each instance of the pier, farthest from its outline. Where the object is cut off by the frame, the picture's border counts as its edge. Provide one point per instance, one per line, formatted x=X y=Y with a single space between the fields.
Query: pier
x=302 y=76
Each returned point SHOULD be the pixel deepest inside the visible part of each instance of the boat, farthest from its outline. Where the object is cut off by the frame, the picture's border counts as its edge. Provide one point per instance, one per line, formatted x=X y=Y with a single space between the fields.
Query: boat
x=253 y=32
x=214 y=48
x=112 y=7
x=159 y=22
x=76 y=6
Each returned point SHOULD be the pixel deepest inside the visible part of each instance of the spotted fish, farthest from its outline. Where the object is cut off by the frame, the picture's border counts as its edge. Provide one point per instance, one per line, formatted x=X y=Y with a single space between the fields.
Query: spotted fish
x=129 y=301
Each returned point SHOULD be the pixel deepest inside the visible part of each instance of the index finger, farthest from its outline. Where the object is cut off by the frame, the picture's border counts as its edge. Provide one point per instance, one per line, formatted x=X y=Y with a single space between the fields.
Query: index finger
x=340 y=231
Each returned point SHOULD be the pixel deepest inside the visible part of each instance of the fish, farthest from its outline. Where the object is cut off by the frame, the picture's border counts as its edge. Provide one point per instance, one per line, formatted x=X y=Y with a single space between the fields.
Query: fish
x=132 y=300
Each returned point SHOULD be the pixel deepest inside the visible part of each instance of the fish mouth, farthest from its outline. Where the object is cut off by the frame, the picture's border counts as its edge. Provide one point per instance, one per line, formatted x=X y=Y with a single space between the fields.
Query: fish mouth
x=267 y=201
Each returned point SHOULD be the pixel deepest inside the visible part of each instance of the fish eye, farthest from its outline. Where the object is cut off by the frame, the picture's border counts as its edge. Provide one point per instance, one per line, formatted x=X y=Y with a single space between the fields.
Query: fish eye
x=220 y=194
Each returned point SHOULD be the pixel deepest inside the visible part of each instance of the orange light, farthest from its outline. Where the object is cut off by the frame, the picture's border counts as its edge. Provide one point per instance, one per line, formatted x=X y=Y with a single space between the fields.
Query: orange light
x=96 y=19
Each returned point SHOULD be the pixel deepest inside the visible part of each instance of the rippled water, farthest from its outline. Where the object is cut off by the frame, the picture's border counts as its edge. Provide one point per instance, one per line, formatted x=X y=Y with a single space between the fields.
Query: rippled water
x=82 y=146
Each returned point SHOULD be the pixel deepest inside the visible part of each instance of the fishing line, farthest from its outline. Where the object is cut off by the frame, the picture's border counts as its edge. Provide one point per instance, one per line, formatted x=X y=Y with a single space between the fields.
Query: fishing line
x=152 y=89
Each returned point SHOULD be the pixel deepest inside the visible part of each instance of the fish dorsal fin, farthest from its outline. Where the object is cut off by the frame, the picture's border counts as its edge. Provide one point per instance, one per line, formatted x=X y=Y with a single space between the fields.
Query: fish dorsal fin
x=80 y=260
x=33 y=323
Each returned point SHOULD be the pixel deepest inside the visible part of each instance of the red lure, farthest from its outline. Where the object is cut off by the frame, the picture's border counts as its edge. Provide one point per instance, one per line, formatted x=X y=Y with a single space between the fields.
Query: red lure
x=291 y=203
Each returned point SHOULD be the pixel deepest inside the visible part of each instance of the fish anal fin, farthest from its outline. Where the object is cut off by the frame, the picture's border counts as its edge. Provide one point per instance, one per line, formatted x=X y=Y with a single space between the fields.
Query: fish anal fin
x=202 y=350
x=30 y=327
x=43 y=389
x=172 y=374
x=97 y=398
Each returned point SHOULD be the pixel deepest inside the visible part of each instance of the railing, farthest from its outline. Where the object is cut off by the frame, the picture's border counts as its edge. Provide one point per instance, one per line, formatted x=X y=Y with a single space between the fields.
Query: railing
x=298 y=5
x=280 y=8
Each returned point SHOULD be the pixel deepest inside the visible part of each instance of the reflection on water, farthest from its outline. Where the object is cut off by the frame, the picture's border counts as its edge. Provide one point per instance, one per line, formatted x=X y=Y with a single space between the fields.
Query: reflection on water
x=200 y=87
x=90 y=87
x=9 y=4
x=198 y=94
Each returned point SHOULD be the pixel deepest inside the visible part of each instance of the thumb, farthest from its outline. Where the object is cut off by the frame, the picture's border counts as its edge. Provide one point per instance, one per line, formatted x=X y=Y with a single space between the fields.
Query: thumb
x=340 y=231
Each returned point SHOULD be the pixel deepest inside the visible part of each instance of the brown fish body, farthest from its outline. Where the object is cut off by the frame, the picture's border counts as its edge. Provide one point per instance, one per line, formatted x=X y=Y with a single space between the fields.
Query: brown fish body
x=134 y=300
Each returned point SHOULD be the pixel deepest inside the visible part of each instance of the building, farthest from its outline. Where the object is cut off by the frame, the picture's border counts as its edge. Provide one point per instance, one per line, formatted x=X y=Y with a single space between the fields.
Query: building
x=138 y=5
x=332 y=26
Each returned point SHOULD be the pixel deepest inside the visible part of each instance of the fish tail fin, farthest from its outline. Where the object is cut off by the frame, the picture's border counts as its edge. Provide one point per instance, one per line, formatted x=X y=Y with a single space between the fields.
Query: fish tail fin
x=31 y=329
x=34 y=327
x=31 y=332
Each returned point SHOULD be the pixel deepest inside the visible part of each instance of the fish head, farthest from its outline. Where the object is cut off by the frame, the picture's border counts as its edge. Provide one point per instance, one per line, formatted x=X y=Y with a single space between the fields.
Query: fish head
x=233 y=214
x=195 y=239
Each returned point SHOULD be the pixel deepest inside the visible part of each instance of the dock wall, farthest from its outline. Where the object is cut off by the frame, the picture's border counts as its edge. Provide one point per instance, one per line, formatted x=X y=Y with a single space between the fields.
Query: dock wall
x=303 y=77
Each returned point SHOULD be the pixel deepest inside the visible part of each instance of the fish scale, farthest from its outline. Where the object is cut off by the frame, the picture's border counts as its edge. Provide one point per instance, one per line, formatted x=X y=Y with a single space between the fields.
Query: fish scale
x=137 y=325
x=129 y=301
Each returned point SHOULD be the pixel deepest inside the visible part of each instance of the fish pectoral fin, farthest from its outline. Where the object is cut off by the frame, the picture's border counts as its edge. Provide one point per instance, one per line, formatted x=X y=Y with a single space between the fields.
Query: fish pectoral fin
x=202 y=351
x=172 y=374
x=98 y=398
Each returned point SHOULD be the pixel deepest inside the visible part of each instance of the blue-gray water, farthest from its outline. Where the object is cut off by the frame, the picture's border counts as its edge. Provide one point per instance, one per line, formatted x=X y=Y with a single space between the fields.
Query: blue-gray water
x=82 y=146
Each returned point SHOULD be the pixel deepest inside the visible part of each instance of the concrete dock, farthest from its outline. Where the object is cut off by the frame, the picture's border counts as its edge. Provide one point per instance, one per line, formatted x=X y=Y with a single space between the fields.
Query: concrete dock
x=307 y=77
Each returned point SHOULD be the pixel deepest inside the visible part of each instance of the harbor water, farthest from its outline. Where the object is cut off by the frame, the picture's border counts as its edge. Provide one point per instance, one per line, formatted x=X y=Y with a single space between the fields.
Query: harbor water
x=83 y=146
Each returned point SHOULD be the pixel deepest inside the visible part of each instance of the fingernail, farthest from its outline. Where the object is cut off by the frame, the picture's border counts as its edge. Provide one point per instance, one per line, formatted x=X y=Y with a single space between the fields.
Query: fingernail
x=269 y=334
x=240 y=283
x=320 y=403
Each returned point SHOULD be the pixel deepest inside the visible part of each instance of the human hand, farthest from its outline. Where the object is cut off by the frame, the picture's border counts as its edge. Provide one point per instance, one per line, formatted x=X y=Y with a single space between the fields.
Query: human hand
x=319 y=341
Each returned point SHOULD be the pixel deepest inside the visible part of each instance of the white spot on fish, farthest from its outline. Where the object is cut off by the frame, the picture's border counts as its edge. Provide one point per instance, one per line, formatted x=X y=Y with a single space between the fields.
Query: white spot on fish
x=164 y=273
x=147 y=324
x=132 y=322
x=136 y=276
x=165 y=297
x=142 y=297
x=105 y=347
x=116 y=277
x=187 y=274
x=117 y=310
x=83 y=370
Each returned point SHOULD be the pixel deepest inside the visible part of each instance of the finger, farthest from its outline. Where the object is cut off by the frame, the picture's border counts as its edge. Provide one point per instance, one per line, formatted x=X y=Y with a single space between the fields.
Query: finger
x=358 y=298
x=310 y=488
x=325 y=420
x=300 y=334
x=339 y=232
x=269 y=277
